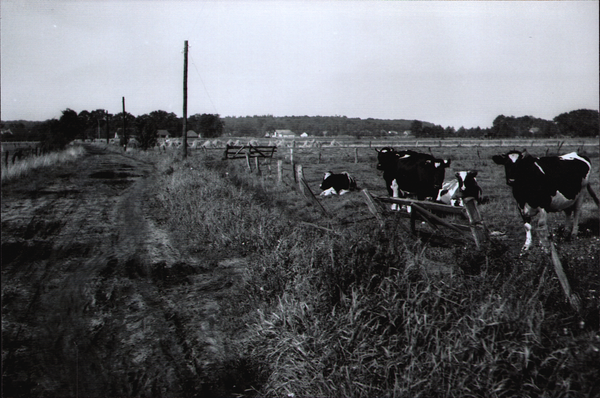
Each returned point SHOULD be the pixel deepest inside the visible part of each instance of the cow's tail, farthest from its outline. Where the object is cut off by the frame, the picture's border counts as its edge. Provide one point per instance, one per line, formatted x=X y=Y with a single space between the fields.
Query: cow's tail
x=593 y=194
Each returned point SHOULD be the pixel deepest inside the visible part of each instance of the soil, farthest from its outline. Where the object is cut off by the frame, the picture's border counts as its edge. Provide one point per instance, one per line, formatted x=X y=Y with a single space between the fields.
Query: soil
x=98 y=301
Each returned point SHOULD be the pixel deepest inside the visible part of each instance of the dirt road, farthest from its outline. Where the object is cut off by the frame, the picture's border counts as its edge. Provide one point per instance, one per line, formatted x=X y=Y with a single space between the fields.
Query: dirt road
x=97 y=301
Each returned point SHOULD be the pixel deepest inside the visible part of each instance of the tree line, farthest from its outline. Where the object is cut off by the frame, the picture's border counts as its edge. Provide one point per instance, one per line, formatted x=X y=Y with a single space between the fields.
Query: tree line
x=56 y=133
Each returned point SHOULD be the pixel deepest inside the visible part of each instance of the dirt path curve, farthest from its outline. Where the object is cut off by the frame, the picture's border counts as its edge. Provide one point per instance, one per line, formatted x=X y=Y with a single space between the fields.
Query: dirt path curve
x=96 y=301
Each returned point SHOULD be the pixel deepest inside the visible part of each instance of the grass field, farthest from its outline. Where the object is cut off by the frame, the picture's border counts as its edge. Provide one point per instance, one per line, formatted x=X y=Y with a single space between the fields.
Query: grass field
x=343 y=308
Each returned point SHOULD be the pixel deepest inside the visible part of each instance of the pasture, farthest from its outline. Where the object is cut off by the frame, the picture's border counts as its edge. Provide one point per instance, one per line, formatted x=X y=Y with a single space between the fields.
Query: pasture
x=350 y=310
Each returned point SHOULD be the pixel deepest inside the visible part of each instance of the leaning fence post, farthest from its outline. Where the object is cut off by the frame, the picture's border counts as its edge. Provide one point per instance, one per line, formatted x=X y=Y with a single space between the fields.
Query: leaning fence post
x=299 y=173
x=373 y=208
x=475 y=221
x=562 y=278
x=248 y=162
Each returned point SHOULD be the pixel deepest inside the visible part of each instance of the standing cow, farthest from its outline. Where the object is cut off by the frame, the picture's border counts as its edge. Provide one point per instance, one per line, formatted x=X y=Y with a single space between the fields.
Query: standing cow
x=411 y=172
x=547 y=184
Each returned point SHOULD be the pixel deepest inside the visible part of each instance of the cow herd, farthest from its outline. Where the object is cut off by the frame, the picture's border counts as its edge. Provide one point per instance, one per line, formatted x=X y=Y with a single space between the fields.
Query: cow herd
x=539 y=184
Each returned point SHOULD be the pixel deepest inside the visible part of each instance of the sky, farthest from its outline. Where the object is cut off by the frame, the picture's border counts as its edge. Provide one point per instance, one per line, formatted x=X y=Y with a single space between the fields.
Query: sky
x=446 y=62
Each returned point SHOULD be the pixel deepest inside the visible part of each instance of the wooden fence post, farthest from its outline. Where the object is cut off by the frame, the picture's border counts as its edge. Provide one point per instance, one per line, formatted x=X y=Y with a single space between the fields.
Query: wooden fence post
x=480 y=235
x=257 y=165
x=299 y=175
x=355 y=155
x=564 y=282
x=292 y=160
x=279 y=171
x=373 y=208
x=248 y=162
x=6 y=159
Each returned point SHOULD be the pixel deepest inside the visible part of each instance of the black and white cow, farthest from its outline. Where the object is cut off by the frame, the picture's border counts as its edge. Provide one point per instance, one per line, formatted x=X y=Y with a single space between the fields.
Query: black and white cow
x=547 y=184
x=464 y=186
x=337 y=184
x=410 y=172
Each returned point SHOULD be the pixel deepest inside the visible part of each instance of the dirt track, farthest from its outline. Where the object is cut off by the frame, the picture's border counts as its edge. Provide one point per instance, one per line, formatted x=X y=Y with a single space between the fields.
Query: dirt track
x=97 y=301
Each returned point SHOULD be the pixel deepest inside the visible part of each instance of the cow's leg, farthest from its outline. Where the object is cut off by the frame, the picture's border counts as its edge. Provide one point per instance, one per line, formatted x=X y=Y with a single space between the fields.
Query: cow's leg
x=576 y=214
x=395 y=193
x=527 y=213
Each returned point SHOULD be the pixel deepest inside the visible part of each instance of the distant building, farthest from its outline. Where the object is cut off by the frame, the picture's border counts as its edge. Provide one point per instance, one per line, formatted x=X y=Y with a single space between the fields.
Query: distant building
x=162 y=133
x=192 y=134
x=304 y=135
x=284 y=134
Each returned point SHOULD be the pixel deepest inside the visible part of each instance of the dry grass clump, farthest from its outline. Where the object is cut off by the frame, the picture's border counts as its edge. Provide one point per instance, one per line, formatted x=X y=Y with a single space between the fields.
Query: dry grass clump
x=23 y=167
x=406 y=336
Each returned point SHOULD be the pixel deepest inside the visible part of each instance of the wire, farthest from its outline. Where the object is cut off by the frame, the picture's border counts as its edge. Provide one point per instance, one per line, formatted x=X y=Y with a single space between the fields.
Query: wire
x=203 y=85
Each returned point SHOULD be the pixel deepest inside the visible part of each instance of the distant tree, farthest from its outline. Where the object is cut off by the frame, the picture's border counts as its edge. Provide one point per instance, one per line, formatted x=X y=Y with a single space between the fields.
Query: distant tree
x=210 y=126
x=146 y=131
x=501 y=127
x=417 y=128
x=51 y=138
x=579 y=123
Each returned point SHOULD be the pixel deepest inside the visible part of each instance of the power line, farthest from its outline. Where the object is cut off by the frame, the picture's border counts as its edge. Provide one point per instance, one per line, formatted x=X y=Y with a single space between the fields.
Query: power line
x=203 y=85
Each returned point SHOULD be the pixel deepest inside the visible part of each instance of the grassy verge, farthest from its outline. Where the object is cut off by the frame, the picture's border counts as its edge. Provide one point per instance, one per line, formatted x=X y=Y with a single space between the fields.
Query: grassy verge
x=23 y=167
x=354 y=312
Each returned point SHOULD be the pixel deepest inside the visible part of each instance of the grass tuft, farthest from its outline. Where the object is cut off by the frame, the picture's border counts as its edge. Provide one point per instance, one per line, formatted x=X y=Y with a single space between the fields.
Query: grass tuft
x=23 y=167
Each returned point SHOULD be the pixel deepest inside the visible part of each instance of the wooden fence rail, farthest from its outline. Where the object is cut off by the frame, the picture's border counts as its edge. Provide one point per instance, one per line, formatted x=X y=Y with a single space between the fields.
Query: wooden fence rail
x=252 y=151
x=476 y=229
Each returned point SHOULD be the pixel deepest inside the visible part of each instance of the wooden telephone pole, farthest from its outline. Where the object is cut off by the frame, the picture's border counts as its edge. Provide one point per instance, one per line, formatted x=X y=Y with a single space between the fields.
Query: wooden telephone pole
x=107 y=129
x=185 y=73
x=124 y=126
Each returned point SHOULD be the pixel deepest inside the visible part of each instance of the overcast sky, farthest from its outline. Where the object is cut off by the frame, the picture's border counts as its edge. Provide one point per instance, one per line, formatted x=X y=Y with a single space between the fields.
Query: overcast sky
x=449 y=63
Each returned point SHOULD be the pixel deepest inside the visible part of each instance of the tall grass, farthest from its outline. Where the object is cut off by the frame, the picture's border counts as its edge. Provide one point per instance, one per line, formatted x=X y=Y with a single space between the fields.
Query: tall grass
x=23 y=167
x=354 y=312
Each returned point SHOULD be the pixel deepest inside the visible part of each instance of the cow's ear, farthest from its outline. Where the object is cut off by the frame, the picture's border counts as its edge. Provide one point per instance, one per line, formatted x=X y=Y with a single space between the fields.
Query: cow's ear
x=499 y=159
x=447 y=162
x=472 y=173
x=457 y=175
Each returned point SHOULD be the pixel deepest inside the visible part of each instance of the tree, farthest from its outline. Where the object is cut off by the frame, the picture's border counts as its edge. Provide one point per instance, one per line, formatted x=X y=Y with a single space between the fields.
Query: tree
x=147 y=131
x=210 y=126
x=416 y=127
x=501 y=127
x=50 y=137
x=579 y=123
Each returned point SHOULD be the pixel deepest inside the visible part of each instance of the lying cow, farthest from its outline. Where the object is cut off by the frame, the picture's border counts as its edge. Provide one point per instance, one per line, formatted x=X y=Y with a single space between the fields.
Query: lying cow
x=410 y=172
x=337 y=184
x=464 y=186
x=547 y=184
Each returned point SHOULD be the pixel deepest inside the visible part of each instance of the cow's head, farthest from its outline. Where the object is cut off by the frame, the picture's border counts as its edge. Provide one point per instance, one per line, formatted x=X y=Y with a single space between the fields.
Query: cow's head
x=438 y=169
x=325 y=184
x=510 y=161
x=431 y=175
x=467 y=186
x=386 y=158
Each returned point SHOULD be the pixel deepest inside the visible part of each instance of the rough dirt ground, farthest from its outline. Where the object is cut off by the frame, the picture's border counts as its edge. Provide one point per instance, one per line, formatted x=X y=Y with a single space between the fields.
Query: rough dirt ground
x=96 y=299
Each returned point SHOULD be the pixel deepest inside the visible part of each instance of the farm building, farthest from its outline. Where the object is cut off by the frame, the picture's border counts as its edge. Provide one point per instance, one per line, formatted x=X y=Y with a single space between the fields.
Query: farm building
x=162 y=133
x=284 y=134
x=192 y=134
